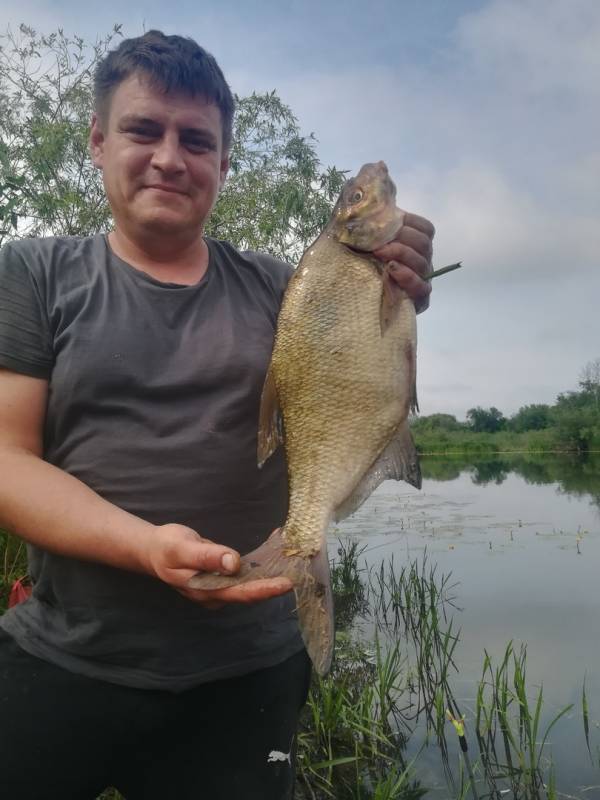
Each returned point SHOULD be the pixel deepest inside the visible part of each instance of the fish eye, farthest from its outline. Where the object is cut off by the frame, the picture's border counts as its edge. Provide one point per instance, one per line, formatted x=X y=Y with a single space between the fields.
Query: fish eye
x=356 y=197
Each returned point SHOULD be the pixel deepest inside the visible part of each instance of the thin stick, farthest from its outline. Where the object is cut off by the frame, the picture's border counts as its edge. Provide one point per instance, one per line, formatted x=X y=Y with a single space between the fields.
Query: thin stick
x=444 y=270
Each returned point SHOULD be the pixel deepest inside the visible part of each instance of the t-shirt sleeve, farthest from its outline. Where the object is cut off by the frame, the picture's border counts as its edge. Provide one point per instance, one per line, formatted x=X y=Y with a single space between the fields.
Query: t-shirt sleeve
x=279 y=271
x=25 y=340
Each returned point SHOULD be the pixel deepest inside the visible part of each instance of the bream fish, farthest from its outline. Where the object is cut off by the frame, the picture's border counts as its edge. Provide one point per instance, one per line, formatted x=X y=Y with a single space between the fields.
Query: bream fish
x=338 y=392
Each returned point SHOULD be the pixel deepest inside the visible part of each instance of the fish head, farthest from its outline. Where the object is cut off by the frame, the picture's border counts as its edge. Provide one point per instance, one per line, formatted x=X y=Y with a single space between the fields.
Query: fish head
x=365 y=216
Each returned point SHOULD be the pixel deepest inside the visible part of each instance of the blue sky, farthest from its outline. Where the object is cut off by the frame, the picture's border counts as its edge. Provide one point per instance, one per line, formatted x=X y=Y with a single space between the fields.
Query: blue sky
x=487 y=113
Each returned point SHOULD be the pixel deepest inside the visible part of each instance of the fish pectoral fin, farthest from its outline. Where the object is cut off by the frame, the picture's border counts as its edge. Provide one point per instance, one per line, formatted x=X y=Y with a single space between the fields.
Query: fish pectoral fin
x=411 y=362
x=315 y=610
x=399 y=460
x=391 y=295
x=270 y=423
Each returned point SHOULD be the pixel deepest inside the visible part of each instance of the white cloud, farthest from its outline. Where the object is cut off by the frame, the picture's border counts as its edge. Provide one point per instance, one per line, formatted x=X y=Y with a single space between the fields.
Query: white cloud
x=536 y=46
x=504 y=231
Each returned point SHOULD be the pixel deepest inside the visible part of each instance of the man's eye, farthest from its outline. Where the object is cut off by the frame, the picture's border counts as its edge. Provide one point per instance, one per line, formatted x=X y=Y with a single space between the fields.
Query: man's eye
x=142 y=133
x=198 y=146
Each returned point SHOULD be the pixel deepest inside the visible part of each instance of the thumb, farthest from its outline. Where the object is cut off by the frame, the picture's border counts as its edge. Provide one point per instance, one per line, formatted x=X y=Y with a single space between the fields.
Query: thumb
x=207 y=556
x=181 y=548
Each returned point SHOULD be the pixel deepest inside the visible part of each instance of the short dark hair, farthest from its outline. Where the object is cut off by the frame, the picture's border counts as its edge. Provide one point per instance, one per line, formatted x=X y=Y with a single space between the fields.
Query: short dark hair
x=173 y=63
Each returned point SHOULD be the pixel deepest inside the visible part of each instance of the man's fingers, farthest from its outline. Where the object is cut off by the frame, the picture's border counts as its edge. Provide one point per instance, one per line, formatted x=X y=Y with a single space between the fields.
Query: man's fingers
x=409 y=256
x=251 y=592
x=404 y=254
x=415 y=287
x=203 y=555
x=417 y=240
x=198 y=597
x=182 y=548
x=420 y=223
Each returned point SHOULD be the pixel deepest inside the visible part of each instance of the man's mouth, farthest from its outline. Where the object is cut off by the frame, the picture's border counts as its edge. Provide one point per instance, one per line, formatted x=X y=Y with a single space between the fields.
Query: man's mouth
x=165 y=188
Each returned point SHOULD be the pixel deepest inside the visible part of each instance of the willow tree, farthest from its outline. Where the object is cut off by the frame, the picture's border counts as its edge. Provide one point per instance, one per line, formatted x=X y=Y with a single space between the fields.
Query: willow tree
x=46 y=96
x=276 y=199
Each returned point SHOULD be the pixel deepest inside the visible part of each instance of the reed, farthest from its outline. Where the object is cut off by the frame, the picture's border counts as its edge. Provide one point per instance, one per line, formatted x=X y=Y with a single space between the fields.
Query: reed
x=509 y=730
x=413 y=605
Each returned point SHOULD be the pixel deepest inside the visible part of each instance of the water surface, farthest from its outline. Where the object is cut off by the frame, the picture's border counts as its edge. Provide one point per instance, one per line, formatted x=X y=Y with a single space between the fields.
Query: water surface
x=521 y=537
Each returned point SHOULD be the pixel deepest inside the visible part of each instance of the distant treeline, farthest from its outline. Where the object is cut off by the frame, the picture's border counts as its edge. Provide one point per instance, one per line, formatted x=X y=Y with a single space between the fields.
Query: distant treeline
x=572 y=423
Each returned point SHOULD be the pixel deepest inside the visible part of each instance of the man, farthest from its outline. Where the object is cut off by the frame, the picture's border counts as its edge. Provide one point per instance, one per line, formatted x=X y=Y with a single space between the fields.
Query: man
x=132 y=366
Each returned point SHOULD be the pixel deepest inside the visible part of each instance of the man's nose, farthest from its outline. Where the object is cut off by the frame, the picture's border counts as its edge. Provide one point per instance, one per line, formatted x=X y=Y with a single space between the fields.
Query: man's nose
x=167 y=155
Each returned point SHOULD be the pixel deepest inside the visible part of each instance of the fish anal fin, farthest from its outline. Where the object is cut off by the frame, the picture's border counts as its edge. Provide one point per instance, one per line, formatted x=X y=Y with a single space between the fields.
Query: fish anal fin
x=270 y=425
x=399 y=460
x=312 y=586
x=315 y=610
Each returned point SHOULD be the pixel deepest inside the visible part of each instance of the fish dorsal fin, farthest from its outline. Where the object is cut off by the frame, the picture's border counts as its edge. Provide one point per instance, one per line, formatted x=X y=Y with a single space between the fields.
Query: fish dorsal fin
x=270 y=423
x=399 y=460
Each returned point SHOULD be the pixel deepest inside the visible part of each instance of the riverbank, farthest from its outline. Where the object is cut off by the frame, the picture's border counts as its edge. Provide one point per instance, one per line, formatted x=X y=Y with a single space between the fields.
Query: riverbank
x=440 y=442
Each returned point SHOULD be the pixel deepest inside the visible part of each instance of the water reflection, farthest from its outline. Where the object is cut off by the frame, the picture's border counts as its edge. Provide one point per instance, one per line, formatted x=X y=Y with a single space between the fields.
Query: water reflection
x=578 y=475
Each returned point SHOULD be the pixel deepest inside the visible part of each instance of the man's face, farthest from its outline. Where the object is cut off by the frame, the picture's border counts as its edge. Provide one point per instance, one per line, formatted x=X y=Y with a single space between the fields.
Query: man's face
x=161 y=157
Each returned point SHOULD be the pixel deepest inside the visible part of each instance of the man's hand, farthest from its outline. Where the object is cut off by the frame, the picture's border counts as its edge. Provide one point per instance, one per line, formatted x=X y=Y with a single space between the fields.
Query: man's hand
x=177 y=553
x=410 y=256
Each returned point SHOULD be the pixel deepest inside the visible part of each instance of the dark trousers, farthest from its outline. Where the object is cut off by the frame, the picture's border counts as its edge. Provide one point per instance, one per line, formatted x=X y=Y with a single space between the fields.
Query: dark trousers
x=68 y=737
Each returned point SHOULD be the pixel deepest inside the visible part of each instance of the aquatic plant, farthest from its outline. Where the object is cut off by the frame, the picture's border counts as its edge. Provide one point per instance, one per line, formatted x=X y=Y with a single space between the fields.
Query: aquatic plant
x=350 y=744
x=508 y=730
x=346 y=583
x=413 y=604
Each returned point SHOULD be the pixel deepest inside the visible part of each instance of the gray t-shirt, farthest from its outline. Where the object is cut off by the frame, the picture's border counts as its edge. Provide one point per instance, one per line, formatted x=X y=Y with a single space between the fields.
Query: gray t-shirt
x=154 y=393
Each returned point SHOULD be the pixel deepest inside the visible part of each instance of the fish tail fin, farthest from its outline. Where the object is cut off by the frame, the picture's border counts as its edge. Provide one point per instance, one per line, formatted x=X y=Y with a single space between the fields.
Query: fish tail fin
x=312 y=586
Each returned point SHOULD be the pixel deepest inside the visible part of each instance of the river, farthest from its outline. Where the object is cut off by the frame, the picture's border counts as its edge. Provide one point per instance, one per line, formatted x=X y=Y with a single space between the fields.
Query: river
x=521 y=539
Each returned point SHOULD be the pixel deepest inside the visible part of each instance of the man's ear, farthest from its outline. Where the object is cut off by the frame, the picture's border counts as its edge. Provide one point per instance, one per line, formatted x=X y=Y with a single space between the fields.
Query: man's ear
x=96 y=142
x=224 y=169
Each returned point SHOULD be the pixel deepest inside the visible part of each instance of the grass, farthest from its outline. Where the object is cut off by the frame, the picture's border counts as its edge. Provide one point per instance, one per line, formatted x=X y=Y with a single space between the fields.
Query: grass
x=437 y=442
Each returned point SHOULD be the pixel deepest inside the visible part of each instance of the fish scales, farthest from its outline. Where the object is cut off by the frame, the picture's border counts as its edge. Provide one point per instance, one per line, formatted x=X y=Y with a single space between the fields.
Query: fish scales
x=342 y=407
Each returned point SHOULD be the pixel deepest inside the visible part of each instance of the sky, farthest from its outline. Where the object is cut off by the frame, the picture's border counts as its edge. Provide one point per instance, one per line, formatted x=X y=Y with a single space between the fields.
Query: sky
x=487 y=113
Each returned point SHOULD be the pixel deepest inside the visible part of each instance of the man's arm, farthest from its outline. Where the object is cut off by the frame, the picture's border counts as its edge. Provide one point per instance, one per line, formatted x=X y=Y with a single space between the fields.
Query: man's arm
x=57 y=512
